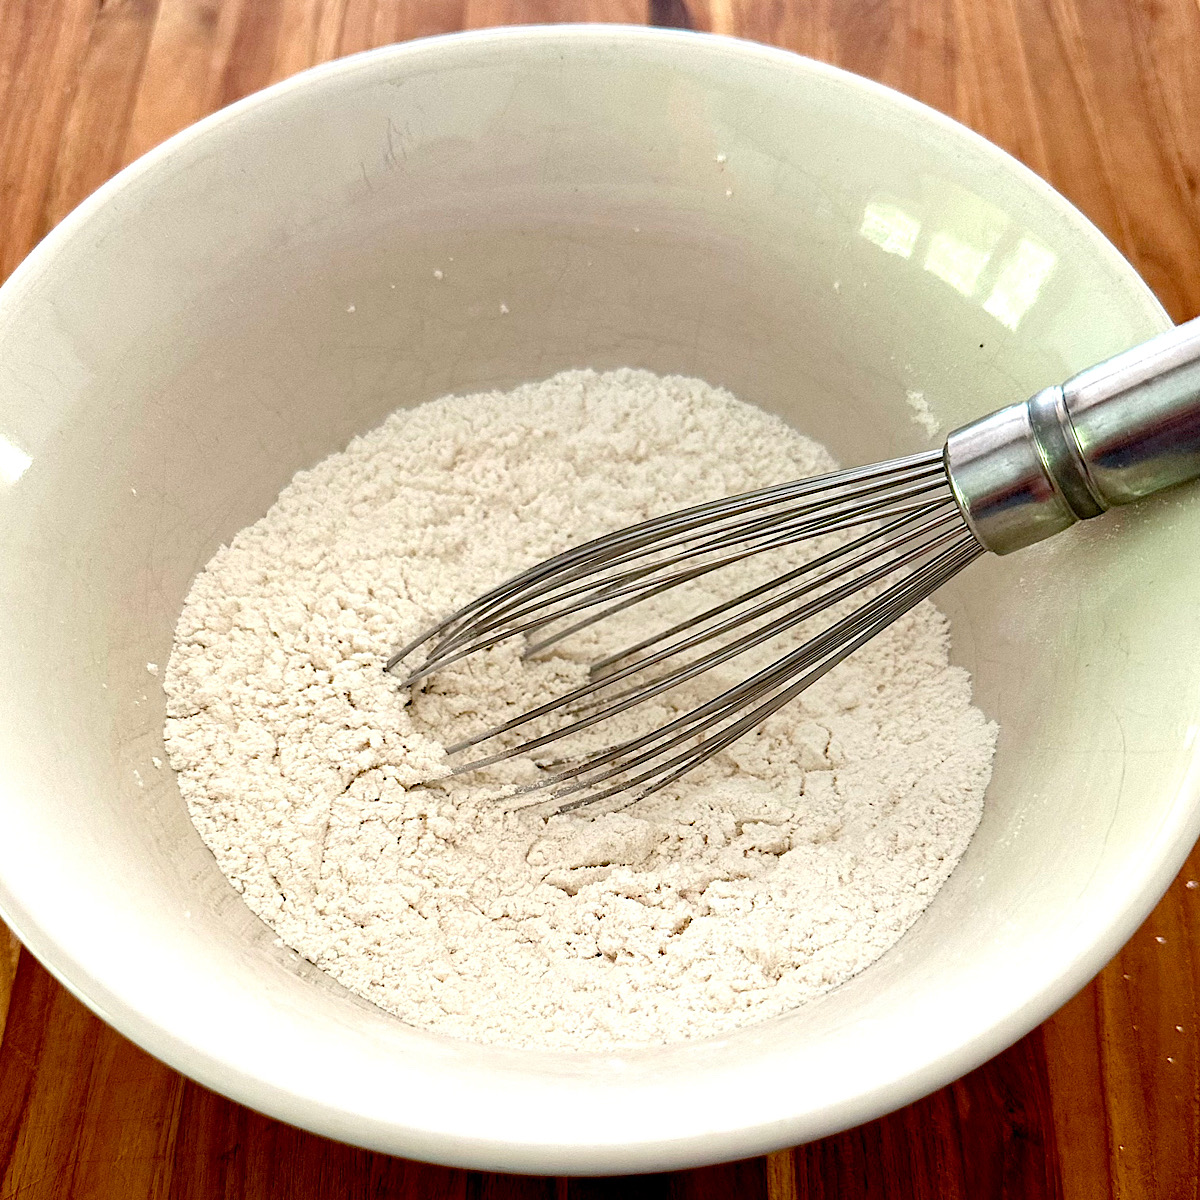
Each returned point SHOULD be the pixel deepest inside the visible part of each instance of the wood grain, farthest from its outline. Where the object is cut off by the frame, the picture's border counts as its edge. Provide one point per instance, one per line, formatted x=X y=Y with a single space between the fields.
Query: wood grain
x=1102 y=98
x=10 y=956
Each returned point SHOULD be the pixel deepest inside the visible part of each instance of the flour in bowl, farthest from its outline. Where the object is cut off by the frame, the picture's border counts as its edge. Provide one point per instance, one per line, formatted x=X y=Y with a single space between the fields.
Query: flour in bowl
x=778 y=870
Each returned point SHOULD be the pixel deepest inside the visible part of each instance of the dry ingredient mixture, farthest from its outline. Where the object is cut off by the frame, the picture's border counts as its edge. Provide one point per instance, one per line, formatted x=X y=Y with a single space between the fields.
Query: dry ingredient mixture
x=775 y=872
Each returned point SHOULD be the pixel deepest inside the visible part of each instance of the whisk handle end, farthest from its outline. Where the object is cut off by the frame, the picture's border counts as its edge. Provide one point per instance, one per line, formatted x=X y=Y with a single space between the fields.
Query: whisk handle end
x=1110 y=435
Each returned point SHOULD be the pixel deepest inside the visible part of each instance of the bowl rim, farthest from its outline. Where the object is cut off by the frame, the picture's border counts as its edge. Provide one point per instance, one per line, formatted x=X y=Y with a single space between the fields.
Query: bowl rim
x=1109 y=930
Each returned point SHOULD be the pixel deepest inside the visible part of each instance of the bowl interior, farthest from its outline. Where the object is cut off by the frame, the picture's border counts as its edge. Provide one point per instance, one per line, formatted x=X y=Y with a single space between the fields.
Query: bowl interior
x=246 y=299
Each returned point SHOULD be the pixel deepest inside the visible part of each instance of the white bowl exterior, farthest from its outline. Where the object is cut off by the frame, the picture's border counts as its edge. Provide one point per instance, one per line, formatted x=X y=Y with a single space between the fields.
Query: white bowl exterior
x=241 y=301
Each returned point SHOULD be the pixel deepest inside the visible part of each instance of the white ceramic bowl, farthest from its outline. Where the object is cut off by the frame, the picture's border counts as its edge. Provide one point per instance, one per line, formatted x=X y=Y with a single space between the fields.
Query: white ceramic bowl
x=241 y=301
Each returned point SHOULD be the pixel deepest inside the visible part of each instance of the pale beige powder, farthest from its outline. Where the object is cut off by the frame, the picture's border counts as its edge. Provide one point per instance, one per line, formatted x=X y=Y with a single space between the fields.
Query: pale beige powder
x=777 y=871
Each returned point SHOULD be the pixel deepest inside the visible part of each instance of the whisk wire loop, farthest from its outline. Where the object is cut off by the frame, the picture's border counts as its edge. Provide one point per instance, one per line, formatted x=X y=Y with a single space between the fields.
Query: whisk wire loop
x=901 y=534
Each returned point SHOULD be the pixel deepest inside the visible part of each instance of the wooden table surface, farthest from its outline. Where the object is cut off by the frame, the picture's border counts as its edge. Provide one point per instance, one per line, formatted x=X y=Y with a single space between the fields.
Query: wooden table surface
x=1102 y=98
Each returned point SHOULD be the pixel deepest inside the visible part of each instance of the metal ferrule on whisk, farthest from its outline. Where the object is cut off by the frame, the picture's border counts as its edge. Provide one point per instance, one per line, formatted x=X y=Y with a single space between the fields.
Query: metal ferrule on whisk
x=1112 y=434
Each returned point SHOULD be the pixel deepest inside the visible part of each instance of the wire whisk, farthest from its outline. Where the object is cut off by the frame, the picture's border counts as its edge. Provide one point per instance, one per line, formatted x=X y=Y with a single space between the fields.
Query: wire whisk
x=1113 y=433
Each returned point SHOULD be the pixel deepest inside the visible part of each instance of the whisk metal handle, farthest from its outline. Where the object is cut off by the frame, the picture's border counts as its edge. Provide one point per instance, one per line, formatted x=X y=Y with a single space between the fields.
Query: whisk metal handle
x=1114 y=433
